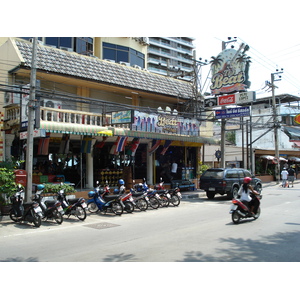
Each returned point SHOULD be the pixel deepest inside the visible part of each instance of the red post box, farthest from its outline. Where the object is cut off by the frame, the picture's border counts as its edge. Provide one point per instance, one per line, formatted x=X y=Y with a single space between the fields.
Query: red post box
x=21 y=177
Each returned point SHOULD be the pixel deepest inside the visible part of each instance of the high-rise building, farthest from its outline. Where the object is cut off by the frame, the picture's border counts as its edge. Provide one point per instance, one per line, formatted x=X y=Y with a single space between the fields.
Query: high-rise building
x=171 y=56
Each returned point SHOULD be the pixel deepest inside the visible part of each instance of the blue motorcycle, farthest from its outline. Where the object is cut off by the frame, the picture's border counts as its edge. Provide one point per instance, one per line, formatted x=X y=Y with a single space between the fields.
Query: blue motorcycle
x=98 y=202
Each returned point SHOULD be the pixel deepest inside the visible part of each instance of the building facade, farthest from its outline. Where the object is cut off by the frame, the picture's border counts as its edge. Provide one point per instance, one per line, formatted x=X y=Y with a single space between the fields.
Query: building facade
x=97 y=119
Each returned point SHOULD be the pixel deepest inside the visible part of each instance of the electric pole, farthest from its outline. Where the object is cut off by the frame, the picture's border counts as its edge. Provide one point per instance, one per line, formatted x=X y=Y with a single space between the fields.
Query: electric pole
x=31 y=120
x=276 y=124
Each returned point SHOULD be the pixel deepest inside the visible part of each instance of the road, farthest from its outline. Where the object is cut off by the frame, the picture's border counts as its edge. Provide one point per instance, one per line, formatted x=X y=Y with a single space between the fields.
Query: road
x=199 y=230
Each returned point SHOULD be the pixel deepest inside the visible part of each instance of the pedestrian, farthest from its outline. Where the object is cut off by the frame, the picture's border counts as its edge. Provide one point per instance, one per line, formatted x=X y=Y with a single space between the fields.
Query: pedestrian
x=284 y=176
x=291 y=176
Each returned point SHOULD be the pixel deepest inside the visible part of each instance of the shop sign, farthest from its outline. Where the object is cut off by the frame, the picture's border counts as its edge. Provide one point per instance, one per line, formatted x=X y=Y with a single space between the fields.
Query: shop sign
x=122 y=117
x=233 y=112
x=229 y=72
x=165 y=123
x=36 y=133
x=243 y=98
x=226 y=100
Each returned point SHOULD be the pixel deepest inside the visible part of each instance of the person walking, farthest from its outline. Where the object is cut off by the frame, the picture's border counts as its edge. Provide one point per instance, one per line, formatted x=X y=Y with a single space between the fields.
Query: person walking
x=284 y=176
x=291 y=176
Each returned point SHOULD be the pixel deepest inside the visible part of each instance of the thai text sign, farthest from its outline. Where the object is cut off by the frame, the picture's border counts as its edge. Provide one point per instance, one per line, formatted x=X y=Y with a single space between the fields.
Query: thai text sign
x=233 y=112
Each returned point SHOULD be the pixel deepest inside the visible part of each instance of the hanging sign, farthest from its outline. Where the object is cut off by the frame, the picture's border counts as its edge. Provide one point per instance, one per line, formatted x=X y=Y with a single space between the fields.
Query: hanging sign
x=233 y=112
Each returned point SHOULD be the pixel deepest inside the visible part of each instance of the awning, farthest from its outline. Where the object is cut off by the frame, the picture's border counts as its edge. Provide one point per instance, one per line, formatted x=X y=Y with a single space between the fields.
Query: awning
x=77 y=129
x=292 y=132
x=273 y=158
x=294 y=159
x=172 y=137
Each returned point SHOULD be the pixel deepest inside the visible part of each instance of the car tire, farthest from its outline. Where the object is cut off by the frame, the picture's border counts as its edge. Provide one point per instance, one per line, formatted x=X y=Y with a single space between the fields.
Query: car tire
x=258 y=188
x=210 y=195
x=234 y=193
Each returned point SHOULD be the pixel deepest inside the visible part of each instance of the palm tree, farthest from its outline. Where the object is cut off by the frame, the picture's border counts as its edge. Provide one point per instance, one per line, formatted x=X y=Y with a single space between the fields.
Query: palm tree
x=215 y=63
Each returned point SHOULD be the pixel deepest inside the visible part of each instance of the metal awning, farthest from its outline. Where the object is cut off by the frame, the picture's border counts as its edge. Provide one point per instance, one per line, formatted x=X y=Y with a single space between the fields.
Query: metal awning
x=77 y=129
x=294 y=159
x=172 y=137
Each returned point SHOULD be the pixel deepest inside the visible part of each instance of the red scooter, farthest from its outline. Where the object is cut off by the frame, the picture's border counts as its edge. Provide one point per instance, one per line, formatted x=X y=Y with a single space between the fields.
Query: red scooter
x=239 y=210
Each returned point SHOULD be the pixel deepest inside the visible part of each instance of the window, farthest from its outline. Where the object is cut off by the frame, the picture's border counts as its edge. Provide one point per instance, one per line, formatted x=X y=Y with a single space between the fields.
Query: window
x=84 y=45
x=59 y=42
x=120 y=53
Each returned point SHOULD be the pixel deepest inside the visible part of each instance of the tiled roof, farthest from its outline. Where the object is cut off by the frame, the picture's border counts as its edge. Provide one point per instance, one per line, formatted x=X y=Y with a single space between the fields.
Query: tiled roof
x=72 y=64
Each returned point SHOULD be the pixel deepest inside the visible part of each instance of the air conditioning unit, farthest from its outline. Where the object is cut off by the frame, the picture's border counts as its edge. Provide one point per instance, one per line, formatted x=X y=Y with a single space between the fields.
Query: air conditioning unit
x=145 y=40
x=51 y=103
x=124 y=63
x=110 y=60
x=137 y=67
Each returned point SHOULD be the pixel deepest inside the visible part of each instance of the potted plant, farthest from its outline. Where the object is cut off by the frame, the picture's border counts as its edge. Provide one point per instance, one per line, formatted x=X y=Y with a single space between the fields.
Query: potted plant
x=55 y=188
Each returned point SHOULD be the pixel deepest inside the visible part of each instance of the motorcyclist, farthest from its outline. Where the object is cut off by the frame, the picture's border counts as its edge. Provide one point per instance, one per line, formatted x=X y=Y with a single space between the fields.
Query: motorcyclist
x=247 y=195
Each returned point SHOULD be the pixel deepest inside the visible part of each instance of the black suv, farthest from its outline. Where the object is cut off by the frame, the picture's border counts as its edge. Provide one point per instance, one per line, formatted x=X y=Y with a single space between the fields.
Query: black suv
x=226 y=181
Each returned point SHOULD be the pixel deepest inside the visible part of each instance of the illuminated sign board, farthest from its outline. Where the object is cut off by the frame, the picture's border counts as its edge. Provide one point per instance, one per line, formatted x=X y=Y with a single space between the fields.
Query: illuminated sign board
x=122 y=117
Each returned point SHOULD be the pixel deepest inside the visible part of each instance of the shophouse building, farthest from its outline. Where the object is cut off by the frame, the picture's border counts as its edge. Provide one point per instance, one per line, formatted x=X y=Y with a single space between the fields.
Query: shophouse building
x=97 y=119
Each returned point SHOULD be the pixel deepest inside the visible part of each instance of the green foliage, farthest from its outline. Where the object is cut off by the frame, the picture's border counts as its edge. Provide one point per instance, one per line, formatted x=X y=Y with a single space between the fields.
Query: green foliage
x=202 y=168
x=7 y=181
x=54 y=188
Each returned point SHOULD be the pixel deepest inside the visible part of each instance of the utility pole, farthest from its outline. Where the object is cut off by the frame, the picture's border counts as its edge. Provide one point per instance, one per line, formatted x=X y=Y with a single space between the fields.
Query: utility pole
x=276 y=124
x=31 y=120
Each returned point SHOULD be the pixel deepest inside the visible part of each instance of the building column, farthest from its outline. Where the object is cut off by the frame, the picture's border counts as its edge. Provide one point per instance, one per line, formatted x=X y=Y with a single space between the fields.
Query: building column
x=150 y=165
x=8 y=143
x=90 y=168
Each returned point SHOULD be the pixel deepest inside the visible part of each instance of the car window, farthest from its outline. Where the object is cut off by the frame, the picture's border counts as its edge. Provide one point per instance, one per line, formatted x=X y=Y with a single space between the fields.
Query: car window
x=247 y=173
x=241 y=174
x=213 y=174
x=232 y=174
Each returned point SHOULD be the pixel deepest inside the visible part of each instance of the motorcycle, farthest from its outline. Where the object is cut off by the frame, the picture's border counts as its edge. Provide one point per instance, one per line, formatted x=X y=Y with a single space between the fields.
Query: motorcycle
x=175 y=196
x=141 y=190
x=136 y=199
x=75 y=207
x=239 y=210
x=51 y=209
x=164 y=194
x=20 y=211
x=97 y=201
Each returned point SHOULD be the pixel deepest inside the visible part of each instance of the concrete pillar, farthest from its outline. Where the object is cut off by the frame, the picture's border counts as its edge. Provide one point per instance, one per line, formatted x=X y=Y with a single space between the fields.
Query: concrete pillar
x=8 y=142
x=150 y=164
x=90 y=168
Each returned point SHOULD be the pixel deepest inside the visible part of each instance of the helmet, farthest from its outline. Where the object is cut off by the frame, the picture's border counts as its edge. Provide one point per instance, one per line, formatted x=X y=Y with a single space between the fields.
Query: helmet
x=121 y=181
x=91 y=194
x=40 y=187
x=247 y=180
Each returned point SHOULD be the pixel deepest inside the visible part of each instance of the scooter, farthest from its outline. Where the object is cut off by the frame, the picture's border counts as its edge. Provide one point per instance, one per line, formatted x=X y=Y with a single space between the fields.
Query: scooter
x=164 y=194
x=239 y=210
x=97 y=201
x=30 y=212
x=75 y=207
x=51 y=209
x=175 y=196
x=138 y=200
x=150 y=195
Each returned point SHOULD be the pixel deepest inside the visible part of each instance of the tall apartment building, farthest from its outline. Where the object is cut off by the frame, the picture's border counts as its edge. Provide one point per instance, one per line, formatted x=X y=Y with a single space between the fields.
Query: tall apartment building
x=170 y=56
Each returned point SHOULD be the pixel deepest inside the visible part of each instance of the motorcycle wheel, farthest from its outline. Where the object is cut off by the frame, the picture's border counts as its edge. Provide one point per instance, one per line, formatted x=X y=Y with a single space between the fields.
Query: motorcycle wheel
x=92 y=207
x=164 y=201
x=80 y=213
x=57 y=217
x=235 y=217
x=142 y=204
x=37 y=221
x=256 y=216
x=13 y=216
x=117 y=208
x=154 y=203
x=175 y=200
x=129 y=207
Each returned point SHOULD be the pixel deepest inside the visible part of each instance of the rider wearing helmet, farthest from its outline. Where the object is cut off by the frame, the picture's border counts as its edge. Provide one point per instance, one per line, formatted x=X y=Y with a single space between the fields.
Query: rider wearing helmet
x=247 y=195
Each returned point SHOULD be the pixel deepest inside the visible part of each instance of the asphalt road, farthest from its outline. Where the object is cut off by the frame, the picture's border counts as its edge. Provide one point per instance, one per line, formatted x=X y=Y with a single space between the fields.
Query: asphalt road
x=199 y=230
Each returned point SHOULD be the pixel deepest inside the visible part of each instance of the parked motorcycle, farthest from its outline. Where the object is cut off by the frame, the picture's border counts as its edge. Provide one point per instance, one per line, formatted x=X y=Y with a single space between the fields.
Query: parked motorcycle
x=51 y=209
x=138 y=200
x=164 y=194
x=150 y=195
x=97 y=201
x=175 y=196
x=75 y=207
x=239 y=210
x=30 y=212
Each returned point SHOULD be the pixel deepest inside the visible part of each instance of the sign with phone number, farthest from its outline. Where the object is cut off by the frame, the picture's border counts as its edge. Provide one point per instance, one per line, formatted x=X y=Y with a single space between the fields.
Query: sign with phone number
x=232 y=112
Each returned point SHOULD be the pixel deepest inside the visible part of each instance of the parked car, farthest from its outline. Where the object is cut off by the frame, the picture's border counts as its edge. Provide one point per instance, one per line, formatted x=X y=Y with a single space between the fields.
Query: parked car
x=226 y=181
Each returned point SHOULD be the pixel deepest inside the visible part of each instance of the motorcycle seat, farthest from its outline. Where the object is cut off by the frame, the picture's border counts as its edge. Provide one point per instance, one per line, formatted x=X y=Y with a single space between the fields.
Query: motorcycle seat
x=137 y=194
x=110 y=197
